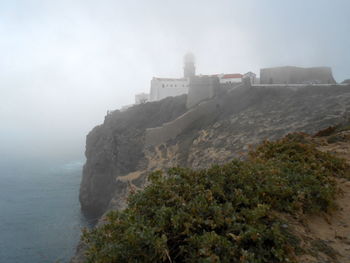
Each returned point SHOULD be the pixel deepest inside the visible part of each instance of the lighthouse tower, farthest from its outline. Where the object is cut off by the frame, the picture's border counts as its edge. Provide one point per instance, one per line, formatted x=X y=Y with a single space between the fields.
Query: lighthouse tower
x=189 y=68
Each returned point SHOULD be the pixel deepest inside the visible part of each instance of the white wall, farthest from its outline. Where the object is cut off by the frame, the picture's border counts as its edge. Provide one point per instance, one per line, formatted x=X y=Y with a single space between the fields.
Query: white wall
x=162 y=88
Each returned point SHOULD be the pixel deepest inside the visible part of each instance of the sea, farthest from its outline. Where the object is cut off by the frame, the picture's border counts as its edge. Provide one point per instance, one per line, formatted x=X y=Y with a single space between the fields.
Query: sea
x=40 y=217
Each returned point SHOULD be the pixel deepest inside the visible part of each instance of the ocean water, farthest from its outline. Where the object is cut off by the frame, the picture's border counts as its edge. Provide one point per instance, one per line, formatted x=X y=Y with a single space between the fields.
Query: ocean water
x=40 y=218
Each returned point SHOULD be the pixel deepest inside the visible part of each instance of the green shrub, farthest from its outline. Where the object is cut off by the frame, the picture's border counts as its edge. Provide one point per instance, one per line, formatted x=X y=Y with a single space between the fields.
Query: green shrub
x=221 y=214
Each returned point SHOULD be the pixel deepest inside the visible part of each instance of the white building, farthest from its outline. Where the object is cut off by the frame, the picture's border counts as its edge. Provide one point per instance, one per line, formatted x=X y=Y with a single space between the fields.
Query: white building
x=230 y=78
x=166 y=87
x=162 y=88
x=171 y=87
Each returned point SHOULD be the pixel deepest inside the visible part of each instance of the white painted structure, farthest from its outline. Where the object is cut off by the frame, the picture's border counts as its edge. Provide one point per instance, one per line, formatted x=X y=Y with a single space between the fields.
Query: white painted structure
x=171 y=87
x=162 y=88
x=168 y=87
x=230 y=78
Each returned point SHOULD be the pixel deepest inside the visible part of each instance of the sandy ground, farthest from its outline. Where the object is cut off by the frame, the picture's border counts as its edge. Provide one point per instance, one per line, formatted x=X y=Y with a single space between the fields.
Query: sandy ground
x=326 y=237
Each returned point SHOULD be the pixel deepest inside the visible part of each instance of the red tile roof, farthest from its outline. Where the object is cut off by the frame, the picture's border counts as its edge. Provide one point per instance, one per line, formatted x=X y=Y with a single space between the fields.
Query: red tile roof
x=232 y=76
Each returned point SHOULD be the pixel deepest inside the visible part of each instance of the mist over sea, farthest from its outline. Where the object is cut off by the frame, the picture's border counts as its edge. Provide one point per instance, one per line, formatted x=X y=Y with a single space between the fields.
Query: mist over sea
x=40 y=218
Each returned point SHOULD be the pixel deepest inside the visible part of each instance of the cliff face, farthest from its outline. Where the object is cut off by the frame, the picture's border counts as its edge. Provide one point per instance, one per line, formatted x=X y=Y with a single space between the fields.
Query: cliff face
x=117 y=158
x=115 y=149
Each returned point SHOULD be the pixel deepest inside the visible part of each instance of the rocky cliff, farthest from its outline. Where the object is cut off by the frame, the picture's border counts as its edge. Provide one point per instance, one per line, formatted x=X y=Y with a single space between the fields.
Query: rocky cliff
x=118 y=159
x=115 y=149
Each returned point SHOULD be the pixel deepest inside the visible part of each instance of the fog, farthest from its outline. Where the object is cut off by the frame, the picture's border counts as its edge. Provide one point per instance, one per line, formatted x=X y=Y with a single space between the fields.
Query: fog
x=63 y=64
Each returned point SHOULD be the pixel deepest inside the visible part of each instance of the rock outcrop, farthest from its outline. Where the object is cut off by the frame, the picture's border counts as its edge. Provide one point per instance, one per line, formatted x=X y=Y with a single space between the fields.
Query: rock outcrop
x=117 y=157
x=119 y=160
x=115 y=149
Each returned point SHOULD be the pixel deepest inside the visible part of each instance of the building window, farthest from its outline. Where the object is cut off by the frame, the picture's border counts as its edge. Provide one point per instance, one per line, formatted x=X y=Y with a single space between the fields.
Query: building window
x=163 y=85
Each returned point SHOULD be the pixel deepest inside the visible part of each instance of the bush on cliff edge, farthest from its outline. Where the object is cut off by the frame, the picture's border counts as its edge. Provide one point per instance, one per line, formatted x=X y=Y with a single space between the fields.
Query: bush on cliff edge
x=222 y=214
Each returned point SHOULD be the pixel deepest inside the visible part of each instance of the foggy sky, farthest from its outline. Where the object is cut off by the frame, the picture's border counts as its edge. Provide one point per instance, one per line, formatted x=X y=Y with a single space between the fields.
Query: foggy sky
x=64 y=63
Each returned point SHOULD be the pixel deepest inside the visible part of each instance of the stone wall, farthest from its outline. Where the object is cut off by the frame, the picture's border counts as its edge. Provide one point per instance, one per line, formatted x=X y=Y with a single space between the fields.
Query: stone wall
x=205 y=111
x=201 y=88
x=293 y=86
x=296 y=75
x=234 y=97
x=171 y=130
x=230 y=86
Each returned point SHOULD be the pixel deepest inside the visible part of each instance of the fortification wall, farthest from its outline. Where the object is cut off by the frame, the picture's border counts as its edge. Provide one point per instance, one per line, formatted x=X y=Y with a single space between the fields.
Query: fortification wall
x=296 y=75
x=294 y=86
x=230 y=86
x=201 y=88
x=206 y=110
x=235 y=100
x=171 y=130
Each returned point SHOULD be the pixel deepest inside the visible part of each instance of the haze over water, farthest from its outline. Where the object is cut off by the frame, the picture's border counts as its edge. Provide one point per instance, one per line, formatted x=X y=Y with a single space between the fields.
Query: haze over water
x=65 y=63
x=40 y=219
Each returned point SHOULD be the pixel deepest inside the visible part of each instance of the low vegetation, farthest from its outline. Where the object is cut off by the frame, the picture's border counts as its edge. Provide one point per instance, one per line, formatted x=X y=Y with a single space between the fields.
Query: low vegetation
x=227 y=213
